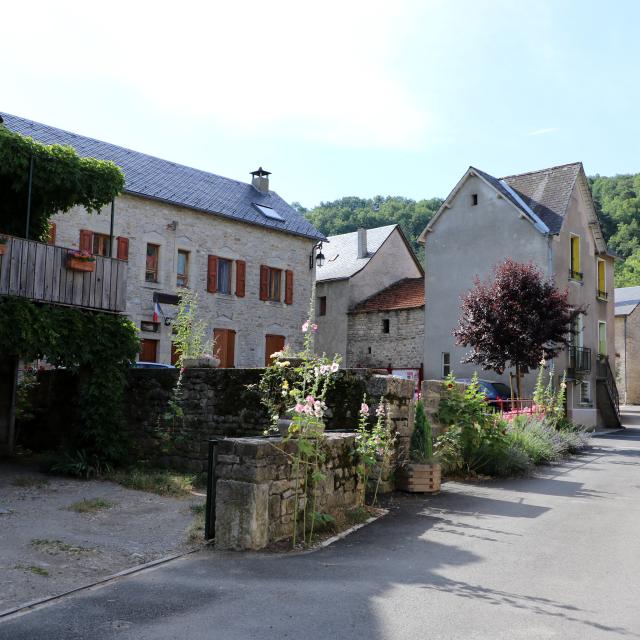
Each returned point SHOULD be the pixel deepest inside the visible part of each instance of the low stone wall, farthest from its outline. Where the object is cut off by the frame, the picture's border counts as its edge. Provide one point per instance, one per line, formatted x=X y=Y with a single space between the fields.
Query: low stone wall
x=432 y=391
x=256 y=485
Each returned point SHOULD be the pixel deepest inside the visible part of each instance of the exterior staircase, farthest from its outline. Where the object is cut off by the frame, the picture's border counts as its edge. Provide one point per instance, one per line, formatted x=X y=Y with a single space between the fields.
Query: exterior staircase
x=607 y=394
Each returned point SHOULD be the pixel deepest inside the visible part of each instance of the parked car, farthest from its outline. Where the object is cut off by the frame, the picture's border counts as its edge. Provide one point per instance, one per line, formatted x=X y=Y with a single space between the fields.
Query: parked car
x=497 y=394
x=152 y=365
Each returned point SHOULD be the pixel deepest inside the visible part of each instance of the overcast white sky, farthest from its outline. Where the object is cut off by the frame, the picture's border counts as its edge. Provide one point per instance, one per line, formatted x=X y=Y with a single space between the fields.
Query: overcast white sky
x=336 y=98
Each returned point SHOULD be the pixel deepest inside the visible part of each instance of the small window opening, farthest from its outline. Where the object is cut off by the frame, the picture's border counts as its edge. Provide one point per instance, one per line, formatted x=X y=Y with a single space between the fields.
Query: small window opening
x=446 y=364
x=474 y=199
x=385 y=325
x=369 y=350
x=323 y=306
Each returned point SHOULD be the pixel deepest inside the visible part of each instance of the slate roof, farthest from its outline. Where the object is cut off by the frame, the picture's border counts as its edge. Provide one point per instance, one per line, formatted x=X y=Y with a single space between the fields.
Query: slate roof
x=547 y=191
x=341 y=253
x=152 y=177
x=626 y=300
x=404 y=294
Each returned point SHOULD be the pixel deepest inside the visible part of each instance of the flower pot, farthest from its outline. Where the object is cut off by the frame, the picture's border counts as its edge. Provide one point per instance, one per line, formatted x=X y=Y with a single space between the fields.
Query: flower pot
x=420 y=478
x=77 y=264
x=203 y=362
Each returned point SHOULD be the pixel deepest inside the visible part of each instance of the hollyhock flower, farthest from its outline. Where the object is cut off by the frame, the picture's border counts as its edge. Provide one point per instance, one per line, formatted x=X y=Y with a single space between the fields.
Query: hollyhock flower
x=310 y=399
x=380 y=410
x=305 y=327
x=364 y=409
x=334 y=367
x=299 y=408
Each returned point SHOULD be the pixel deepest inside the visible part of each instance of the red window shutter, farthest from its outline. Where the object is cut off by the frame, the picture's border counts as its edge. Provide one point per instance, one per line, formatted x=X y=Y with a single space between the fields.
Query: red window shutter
x=288 y=287
x=241 y=273
x=123 y=248
x=212 y=274
x=231 y=348
x=51 y=238
x=86 y=238
x=264 y=282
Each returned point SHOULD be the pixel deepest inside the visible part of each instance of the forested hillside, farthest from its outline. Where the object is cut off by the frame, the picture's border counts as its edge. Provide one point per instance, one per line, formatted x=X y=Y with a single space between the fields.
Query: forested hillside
x=617 y=201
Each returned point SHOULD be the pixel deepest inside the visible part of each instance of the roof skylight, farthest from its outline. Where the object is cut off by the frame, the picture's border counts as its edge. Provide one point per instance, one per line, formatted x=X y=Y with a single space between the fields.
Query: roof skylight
x=268 y=212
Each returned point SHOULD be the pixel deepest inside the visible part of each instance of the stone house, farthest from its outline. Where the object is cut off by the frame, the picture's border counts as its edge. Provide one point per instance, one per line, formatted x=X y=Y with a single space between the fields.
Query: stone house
x=245 y=251
x=357 y=266
x=386 y=331
x=545 y=217
x=627 y=325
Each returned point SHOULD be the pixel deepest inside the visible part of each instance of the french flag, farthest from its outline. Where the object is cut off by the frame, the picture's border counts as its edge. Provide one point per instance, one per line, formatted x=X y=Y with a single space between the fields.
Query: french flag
x=156 y=312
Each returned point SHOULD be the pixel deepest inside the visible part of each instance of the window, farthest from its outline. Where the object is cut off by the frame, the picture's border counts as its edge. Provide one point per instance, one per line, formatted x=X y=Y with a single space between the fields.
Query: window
x=323 y=306
x=577 y=331
x=100 y=244
x=151 y=271
x=148 y=350
x=385 y=325
x=474 y=199
x=275 y=276
x=446 y=364
x=602 y=279
x=225 y=347
x=602 y=338
x=182 y=275
x=224 y=275
x=574 y=259
x=585 y=392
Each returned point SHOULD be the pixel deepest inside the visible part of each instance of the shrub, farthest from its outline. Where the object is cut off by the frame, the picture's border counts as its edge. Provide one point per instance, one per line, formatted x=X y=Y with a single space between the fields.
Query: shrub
x=535 y=438
x=422 y=437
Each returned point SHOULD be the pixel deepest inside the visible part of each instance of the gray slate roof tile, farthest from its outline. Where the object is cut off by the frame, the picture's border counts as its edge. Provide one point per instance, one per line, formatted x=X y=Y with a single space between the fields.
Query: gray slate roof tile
x=341 y=253
x=152 y=177
x=626 y=300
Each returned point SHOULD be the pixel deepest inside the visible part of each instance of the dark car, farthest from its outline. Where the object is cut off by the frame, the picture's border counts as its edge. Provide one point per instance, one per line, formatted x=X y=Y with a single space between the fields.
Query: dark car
x=497 y=394
x=152 y=365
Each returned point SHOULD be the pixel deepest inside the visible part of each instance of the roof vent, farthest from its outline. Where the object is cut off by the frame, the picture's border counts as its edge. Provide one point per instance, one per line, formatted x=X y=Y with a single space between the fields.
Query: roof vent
x=260 y=180
x=362 y=243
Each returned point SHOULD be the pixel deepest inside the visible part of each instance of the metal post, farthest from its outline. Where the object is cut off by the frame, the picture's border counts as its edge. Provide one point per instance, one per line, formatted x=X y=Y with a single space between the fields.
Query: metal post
x=26 y=235
x=113 y=206
x=210 y=508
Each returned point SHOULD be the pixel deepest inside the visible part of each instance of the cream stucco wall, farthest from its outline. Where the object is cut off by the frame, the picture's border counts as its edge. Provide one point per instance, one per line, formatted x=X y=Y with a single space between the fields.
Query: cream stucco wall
x=628 y=356
x=144 y=221
x=392 y=262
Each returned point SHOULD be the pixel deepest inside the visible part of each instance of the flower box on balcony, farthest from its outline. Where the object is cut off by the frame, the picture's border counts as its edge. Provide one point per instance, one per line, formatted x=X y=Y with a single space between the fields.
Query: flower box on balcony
x=80 y=261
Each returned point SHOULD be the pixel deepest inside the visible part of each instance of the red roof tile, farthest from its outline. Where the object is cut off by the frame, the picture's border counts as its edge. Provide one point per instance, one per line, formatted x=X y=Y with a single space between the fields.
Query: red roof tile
x=404 y=294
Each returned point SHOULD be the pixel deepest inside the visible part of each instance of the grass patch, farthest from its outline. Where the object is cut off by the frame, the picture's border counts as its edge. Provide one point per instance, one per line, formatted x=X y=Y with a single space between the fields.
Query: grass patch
x=160 y=481
x=54 y=547
x=91 y=506
x=39 y=571
x=195 y=531
x=29 y=481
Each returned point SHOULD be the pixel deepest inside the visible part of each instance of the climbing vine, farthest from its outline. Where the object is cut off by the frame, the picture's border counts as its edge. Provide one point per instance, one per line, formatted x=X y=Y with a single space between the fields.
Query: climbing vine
x=61 y=179
x=97 y=347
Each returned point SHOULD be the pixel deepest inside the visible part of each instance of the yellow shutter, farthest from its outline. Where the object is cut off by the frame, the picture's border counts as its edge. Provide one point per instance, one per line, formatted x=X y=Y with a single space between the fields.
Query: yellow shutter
x=575 y=254
x=602 y=283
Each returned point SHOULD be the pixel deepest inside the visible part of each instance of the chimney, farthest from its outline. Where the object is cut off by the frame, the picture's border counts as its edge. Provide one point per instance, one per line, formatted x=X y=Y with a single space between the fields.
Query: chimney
x=362 y=243
x=260 y=180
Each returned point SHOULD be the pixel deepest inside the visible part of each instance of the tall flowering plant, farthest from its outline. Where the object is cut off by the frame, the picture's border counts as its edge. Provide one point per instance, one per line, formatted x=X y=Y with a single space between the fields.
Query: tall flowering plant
x=294 y=389
x=374 y=445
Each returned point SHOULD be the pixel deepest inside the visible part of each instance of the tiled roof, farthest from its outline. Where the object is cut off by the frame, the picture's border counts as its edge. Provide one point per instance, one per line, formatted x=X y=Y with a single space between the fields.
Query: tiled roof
x=547 y=192
x=626 y=300
x=151 y=177
x=341 y=253
x=404 y=294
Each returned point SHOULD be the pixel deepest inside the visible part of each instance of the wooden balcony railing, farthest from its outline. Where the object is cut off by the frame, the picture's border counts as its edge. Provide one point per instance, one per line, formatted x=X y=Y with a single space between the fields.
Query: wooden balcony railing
x=42 y=273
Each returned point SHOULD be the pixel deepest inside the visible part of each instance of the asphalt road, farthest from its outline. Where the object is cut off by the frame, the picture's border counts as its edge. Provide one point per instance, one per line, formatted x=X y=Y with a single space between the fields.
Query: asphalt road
x=554 y=556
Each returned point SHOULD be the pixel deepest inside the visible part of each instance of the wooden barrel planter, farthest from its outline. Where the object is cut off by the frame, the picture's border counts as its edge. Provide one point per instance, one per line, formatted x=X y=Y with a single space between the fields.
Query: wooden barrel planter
x=420 y=478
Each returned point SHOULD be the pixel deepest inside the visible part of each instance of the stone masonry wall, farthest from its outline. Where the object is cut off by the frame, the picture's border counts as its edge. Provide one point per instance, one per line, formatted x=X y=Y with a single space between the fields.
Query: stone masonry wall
x=256 y=486
x=215 y=402
x=401 y=348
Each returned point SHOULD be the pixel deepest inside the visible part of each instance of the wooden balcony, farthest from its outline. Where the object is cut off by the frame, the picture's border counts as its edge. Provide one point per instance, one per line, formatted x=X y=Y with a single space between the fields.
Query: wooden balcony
x=40 y=272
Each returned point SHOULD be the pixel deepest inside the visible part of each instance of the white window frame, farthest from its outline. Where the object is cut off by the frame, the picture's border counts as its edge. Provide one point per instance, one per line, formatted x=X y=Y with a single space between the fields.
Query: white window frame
x=445 y=362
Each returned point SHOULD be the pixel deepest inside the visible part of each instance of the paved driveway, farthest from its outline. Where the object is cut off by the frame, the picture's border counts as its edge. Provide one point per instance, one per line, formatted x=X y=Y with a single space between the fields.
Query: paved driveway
x=555 y=556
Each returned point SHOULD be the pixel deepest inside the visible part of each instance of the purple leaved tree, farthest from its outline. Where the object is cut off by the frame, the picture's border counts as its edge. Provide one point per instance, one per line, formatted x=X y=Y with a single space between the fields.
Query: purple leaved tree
x=514 y=319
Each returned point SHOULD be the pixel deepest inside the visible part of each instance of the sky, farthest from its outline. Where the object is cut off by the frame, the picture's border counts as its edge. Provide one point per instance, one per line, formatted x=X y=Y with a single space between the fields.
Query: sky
x=336 y=98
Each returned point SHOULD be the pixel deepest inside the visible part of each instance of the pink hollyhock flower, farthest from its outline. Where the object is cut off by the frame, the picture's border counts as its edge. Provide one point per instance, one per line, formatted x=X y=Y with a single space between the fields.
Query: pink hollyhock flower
x=310 y=399
x=380 y=410
x=305 y=327
x=364 y=409
x=334 y=367
x=299 y=408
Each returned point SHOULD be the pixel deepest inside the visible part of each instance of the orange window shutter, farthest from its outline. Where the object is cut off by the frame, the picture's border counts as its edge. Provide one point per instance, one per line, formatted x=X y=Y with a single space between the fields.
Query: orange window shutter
x=51 y=238
x=231 y=348
x=85 y=240
x=212 y=274
x=123 y=248
x=241 y=276
x=288 y=287
x=264 y=282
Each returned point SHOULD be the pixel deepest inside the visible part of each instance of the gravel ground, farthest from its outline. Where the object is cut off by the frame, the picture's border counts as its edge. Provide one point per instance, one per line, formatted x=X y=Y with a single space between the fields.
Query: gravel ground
x=47 y=549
